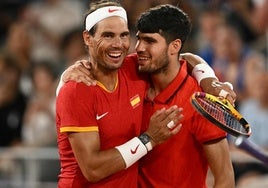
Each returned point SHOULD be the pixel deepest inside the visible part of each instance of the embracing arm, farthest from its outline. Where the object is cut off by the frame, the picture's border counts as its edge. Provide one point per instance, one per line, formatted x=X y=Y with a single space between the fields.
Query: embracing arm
x=206 y=77
x=97 y=164
x=218 y=157
x=192 y=61
x=80 y=72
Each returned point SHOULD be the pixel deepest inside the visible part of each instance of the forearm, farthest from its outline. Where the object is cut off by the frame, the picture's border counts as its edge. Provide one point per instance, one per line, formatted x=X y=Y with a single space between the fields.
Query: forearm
x=198 y=68
x=220 y=163
x=192 y=60
x=207 y=79
x=97 y=164
x=104 y=163
x=101 y=165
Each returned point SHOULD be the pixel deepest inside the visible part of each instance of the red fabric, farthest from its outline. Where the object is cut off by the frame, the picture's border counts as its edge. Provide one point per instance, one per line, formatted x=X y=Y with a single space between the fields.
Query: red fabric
x=78 y=106
x=180 y=161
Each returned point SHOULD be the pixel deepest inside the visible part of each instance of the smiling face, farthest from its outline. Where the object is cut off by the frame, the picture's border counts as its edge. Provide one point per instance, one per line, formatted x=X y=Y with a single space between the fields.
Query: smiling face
x=152 y=51
x=110 y=43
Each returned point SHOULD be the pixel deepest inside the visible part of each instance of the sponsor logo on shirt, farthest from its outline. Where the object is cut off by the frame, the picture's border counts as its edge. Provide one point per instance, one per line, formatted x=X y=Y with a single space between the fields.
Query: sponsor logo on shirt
x=98 y=117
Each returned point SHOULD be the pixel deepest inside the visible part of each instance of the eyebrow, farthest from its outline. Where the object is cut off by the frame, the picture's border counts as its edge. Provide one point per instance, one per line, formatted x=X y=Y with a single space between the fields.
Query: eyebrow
x=146 y=38
x=112 y=33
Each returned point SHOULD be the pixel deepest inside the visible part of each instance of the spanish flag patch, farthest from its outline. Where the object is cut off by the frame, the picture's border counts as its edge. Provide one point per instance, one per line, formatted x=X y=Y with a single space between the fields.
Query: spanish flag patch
x=135 y=101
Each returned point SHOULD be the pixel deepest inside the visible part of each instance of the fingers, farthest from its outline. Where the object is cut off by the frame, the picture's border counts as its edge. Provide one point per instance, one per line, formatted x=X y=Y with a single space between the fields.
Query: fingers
x=224 y=91
x=176 y=129
x=165 y=123
x=80 y=73
x=163 y=113
x=230 y=85
x=171 y=124
x=172 y=117
x=86 y=63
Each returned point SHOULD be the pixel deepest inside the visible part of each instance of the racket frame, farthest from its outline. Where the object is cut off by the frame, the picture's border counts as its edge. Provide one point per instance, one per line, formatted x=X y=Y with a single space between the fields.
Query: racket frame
x=226 y=106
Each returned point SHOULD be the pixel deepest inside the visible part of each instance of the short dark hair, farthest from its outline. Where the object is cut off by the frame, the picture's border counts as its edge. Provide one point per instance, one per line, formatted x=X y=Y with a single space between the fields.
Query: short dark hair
x=167 y=20
x=94 y=5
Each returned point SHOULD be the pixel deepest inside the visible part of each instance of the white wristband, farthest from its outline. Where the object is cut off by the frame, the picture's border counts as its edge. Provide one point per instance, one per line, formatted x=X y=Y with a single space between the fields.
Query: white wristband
x=132 y=151
x=202 y=71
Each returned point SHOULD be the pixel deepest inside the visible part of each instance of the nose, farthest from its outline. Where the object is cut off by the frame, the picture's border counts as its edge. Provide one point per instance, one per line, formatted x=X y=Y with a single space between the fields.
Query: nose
x=117 y=42
x=139 y=46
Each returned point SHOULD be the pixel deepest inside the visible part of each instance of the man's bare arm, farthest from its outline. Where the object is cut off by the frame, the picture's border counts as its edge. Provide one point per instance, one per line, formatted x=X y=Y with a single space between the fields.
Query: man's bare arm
x=80 y=72
x=217 y=153
x=210 y=84
x=97 y=164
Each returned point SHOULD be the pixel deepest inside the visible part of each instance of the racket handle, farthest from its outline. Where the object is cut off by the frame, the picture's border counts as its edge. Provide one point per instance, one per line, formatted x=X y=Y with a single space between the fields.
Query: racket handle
x=254 y=150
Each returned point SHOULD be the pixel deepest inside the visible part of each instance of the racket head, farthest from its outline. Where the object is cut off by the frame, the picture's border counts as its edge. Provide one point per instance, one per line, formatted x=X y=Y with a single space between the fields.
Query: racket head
x=221 y=113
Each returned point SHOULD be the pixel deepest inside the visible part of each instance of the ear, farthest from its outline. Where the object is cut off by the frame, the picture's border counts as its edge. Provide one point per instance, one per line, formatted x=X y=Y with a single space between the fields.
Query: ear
x=175 y=46
x=87 y=38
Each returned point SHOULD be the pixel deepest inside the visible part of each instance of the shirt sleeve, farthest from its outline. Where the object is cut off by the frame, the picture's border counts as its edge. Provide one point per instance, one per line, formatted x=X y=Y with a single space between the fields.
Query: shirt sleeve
x=206 y=131
x=75 y=107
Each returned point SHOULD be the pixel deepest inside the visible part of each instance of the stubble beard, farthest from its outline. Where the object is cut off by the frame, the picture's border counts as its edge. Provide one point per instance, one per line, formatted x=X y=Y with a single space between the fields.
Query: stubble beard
x=155 y=68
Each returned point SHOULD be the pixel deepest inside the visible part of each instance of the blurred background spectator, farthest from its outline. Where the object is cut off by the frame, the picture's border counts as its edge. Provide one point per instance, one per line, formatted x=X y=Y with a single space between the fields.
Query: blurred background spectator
x=235 y=61
x=12 y=109
x=18 y=44
x=39 y=118
x=40 y=38
x=72 y=48
x=12 y=102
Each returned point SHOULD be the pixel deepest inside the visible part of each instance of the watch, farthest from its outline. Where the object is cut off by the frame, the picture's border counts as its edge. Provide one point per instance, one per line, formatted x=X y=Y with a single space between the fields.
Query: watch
x=146 y=140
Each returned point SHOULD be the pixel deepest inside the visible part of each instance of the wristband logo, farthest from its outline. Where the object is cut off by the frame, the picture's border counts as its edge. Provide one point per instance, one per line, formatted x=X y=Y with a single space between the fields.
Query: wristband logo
x=135 y=150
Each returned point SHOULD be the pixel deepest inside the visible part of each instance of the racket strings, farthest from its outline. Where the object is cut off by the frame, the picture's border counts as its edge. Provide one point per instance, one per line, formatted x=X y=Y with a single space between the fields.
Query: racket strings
x=222 y=115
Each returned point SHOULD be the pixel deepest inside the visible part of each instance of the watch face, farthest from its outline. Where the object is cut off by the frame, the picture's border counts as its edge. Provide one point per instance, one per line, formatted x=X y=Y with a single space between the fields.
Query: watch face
x=144 y=138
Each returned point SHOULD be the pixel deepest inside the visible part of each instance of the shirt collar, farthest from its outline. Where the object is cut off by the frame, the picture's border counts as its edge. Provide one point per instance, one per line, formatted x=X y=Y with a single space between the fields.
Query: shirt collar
x=172 y=88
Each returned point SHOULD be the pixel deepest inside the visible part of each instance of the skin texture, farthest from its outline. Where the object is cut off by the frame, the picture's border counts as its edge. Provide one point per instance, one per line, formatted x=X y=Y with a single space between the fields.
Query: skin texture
x=108 y=48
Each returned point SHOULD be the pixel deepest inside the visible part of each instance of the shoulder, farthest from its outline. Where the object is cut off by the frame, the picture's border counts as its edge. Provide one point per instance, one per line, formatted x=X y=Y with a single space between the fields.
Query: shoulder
x=73 y=89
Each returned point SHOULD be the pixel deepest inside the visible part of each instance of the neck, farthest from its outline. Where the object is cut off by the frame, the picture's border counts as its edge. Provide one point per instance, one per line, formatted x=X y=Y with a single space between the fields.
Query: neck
x=108 y=79
x=162 y=79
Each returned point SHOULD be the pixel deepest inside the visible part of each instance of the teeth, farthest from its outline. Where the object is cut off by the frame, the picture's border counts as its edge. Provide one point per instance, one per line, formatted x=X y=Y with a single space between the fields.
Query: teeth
x=143 y=58
x=115 y=54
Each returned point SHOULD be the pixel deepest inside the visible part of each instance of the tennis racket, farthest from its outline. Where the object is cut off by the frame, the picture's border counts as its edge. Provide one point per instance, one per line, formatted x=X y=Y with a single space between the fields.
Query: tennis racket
x=251 y=148
x=221 y=113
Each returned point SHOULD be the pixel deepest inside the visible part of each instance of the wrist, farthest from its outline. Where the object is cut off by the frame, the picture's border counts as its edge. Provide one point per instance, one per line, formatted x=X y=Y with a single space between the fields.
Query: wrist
x=146 y=140
x=132 y=151
x=203 y=71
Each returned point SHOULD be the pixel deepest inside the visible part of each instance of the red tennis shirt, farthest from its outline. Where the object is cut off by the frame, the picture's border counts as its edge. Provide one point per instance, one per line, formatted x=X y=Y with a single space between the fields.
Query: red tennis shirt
x=115 y=115
x=180 y=161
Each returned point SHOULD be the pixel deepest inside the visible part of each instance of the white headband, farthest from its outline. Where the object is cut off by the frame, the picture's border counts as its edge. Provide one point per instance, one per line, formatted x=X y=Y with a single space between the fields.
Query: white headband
x=103 y=13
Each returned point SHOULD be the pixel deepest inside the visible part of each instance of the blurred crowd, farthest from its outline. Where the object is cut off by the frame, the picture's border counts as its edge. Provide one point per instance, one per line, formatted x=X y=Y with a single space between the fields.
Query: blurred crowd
x=40 y=38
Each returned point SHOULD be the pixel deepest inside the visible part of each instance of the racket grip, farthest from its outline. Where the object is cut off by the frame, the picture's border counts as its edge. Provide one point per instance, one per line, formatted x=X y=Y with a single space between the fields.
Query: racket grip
x=251 y=148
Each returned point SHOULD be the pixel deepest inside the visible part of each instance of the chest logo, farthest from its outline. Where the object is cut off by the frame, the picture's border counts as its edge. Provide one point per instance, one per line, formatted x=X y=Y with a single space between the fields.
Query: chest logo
x=98 y=117
x=135 y=101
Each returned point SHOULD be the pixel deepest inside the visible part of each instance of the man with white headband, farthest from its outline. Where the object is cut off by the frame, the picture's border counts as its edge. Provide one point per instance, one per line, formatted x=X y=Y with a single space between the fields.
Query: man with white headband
x=115 y=53
x=105 y=12
x=99 y=127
